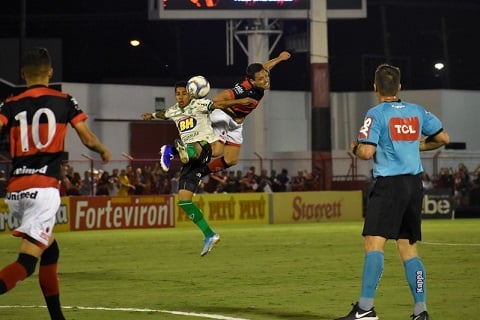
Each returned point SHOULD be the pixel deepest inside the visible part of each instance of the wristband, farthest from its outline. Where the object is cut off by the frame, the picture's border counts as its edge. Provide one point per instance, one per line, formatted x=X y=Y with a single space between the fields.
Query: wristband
x=153 y=115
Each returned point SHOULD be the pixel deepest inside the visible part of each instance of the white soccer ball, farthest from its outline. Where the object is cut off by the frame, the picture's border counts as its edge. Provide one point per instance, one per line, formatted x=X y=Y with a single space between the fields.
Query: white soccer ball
x=198 y=87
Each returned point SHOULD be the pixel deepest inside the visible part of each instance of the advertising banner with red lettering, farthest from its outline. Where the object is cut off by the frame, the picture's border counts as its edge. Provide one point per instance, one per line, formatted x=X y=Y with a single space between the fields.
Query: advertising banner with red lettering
x=8 y=223
x=228 y=209
x=437 y=203
x=316 y=206
x=94 y=213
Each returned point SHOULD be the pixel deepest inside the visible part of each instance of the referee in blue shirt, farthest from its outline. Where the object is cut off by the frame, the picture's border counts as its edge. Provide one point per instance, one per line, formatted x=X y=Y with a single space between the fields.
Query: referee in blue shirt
x=393 y=134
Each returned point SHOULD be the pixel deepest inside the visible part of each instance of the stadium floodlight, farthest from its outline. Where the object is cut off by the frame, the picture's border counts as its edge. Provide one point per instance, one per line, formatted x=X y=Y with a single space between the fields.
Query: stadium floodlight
x=134 y=42
x=439 y=66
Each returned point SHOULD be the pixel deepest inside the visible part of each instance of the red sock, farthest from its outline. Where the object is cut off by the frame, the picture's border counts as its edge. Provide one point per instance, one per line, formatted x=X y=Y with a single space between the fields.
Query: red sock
x=217 y=164
x=11 y=275
x=48 y=279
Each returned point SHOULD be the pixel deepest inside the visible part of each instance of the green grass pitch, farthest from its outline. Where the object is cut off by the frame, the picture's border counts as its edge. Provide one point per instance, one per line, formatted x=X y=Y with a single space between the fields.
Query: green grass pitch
x=308 y=271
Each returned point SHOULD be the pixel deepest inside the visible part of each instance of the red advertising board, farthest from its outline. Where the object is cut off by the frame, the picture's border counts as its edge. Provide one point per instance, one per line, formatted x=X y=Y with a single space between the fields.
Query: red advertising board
x=94 y=213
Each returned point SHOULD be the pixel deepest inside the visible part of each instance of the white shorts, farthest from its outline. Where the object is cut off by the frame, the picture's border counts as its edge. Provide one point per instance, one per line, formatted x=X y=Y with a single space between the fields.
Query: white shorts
x=226 y=128
x=36 y=210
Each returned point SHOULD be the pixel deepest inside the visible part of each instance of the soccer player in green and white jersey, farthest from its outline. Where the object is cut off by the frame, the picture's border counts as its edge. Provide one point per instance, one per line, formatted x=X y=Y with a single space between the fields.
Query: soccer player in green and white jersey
x=197 y=139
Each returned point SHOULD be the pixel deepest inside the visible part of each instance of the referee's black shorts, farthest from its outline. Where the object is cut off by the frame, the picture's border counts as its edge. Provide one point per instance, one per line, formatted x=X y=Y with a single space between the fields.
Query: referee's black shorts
x=395 y=208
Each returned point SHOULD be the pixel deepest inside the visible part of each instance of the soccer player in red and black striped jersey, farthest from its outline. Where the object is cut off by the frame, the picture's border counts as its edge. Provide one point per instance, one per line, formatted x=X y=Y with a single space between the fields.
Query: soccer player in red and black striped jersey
x=37 y=121
x=228 y=125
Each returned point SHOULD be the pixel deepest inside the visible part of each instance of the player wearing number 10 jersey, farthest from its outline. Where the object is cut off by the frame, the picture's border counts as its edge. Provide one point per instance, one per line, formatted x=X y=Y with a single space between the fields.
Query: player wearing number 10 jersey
x=37 y=121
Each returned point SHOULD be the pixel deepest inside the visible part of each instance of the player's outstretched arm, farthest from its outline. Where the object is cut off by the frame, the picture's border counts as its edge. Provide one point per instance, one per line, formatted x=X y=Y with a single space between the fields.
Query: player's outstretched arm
x=284 y=55
x=154 y=115
x=90 y=140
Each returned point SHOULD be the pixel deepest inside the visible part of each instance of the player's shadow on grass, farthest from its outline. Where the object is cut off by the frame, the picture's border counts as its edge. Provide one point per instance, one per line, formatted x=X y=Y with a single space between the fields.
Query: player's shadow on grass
x=251 y=312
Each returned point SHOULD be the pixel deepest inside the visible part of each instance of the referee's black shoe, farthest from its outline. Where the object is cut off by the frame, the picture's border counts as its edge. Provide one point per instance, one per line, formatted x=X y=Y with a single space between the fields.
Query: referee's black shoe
x=358 y=313
x=421 y=316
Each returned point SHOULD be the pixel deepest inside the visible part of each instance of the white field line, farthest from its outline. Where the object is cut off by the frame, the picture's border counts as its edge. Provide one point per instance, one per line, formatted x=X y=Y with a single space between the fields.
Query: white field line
x=451 y=244
x=182 y=313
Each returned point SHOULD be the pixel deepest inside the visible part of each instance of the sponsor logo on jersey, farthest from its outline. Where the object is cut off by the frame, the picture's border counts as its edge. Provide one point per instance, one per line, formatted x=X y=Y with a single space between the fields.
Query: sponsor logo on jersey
x=22 y=195
x=24 y=170
x=404 y=129
x=238 y=89
x=365 y=129
x=186 y=124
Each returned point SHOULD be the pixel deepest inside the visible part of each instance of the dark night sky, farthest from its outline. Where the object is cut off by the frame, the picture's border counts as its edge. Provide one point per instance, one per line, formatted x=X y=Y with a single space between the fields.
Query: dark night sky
x=95 y=38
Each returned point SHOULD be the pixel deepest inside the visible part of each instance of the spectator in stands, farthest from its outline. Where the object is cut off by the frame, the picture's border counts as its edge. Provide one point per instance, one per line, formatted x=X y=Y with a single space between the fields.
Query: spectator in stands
x=88 y=182
x=217 y=182
x=298 y=182
x=232 y=185
x=249 y=182
x=312 y=181
x=283 y=181
x=75 y=185
x=150 y=182
x=139 y=181
x=125 y=185
x=103 y=185
x=462 y=168
x=162 y=182
x=426 y=181
x=445 y=179
x=131 y=177
x=264 y=183
x=461 y=187
x=114 y=182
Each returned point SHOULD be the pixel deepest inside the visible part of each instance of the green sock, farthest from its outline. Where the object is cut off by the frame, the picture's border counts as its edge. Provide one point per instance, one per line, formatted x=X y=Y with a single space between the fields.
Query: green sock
x=196 y=215
x=191 y=151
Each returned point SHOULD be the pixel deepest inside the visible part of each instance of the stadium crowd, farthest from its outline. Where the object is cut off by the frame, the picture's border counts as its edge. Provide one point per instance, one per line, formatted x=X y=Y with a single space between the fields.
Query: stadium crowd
x=151 y=179
x=463 y=184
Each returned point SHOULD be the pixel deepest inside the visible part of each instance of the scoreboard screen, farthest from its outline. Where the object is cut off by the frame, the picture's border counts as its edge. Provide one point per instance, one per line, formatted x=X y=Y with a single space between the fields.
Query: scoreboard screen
x=233 y=4
x=251 y=9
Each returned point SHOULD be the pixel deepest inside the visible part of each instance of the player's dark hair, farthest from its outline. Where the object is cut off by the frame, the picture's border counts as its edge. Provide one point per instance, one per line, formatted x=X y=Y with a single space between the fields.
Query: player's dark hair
x=180 y=84
x=37 y=57
x=252 y=69
x=387 y=79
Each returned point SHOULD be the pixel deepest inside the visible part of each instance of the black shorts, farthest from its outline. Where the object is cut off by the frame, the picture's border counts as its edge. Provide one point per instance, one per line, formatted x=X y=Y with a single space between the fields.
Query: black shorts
x=193 y=172
x=395 y=208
